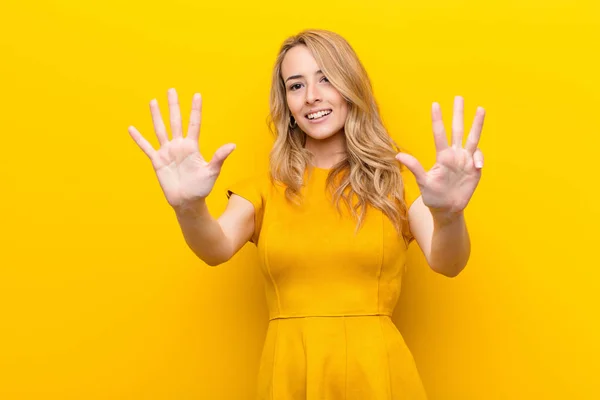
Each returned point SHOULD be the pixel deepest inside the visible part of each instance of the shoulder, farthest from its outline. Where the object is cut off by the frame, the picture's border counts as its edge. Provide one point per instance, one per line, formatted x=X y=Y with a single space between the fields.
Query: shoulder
x=253 y=186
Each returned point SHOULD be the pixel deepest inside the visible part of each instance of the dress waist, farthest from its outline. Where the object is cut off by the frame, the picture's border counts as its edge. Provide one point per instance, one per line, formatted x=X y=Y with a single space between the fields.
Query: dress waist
x=329 y=315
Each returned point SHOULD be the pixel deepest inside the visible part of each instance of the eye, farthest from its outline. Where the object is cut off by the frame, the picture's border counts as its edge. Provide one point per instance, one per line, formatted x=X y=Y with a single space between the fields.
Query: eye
x=297 y=86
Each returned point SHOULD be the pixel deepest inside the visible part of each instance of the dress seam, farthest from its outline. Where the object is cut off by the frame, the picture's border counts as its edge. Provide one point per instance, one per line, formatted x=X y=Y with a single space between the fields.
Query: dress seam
x=374 y=314
x=268 y=268
x=387 y=352
x=346 y=372
x=273 y=363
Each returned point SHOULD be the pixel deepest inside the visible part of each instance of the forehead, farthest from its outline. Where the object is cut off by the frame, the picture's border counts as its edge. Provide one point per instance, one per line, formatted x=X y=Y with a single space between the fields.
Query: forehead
x=298 y=61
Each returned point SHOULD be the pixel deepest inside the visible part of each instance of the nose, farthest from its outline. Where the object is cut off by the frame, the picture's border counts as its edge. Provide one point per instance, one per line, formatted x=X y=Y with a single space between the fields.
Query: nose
x=312 y=94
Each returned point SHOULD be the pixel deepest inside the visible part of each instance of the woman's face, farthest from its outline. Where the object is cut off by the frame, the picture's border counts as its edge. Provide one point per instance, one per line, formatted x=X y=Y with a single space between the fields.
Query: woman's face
x=318 y=108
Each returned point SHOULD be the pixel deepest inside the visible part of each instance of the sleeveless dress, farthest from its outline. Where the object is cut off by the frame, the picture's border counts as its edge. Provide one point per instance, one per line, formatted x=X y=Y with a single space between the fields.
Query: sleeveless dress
x=330 y=294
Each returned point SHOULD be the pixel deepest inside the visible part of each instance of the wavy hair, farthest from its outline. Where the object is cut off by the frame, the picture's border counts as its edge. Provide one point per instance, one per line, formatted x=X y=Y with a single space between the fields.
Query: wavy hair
x=370 y=174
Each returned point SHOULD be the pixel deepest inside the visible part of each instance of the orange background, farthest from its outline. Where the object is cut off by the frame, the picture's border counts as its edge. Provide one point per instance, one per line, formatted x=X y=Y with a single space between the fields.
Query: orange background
x=101 y=299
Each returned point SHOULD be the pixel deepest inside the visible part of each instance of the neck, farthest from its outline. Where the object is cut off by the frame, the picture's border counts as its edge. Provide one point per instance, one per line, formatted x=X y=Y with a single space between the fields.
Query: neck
x=327 y=152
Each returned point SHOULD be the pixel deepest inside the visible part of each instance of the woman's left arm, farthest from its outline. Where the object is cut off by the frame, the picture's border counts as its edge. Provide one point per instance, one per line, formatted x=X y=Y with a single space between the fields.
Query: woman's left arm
x=444 y=239
x=436 y=218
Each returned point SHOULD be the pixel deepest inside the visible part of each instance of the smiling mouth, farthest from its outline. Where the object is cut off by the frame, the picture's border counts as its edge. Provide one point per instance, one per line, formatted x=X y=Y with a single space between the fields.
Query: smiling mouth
x=318 y=115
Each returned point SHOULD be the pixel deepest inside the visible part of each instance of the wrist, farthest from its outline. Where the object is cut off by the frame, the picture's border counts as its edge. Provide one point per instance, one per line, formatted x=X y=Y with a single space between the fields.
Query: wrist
x=445 y=217
x=190 y=207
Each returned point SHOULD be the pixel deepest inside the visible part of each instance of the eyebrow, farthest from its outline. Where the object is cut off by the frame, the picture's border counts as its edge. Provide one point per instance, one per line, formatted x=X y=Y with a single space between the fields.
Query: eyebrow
x=302 y=76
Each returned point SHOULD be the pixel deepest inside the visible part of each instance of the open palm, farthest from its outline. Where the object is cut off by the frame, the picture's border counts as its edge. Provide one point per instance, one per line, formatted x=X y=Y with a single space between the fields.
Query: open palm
x=184 y=175
x=450 y=183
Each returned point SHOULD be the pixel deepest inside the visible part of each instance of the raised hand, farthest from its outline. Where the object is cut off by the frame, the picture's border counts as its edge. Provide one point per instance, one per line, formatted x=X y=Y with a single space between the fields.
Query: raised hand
x=448 y=186
x=182 y=172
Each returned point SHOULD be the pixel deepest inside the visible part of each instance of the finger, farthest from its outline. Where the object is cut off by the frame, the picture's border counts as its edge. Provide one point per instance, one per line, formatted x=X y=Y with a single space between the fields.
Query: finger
x=141 y=142
x=157 y=121
x=457 y=122
x=220 y=155
x=174 y=114
x=478 y=158
x=195 y=118
x=413 y=165
x=439 y=133
x=475 y=134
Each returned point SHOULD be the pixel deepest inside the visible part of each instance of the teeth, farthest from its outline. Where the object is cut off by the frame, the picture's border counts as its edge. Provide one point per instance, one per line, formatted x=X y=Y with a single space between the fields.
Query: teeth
x=318 y=114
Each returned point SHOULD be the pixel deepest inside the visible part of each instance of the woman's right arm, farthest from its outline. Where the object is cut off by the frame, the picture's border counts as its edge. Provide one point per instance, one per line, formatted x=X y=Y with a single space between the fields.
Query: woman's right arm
x=215 y=241
x=186 y=179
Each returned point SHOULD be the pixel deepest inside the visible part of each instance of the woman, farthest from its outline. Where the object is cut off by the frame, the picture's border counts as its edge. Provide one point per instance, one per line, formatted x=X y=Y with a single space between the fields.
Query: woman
x=332 y=221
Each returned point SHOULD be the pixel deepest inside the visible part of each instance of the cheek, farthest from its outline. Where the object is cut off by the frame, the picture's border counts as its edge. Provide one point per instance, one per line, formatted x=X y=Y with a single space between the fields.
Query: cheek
x=339 y=100
x=295 y=107
x=290 y=102
x=343 y=109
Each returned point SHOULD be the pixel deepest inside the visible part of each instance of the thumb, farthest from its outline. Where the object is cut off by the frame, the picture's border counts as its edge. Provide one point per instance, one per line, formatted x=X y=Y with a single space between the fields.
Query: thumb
x=220 y=155
x=413 y=166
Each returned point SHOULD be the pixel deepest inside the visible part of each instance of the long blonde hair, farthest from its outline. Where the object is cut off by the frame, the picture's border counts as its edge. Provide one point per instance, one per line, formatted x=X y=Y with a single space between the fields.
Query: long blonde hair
x=369 y=175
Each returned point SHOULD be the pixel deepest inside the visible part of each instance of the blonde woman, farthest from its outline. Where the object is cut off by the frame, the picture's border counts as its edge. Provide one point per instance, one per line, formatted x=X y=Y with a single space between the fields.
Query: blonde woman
x=332 y=221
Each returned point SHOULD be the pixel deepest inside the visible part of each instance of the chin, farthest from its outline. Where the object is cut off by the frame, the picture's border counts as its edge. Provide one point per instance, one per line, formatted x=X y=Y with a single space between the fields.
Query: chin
x=322 y=134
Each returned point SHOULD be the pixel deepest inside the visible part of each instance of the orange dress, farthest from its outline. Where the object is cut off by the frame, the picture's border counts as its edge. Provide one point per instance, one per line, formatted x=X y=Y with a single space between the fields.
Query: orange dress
x=330 y=294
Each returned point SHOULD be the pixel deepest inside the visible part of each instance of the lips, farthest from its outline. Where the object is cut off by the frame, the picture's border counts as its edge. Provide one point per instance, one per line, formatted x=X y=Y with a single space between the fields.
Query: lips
x=319 y=120
x=316 y=111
